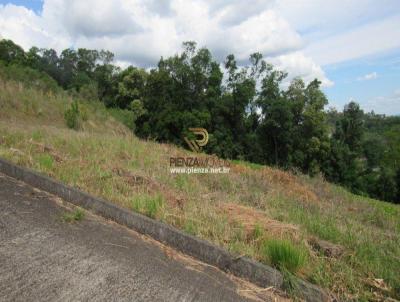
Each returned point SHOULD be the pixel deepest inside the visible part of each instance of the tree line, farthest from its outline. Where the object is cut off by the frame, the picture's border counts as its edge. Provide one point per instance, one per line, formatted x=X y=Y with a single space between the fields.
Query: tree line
x=250 y=110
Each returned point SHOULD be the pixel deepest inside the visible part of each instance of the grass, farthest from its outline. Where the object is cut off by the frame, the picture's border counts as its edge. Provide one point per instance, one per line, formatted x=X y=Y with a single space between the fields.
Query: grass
x=45 y=161
x=76 y=215
x=284 y=255
x=149 y=205
x=105 y=159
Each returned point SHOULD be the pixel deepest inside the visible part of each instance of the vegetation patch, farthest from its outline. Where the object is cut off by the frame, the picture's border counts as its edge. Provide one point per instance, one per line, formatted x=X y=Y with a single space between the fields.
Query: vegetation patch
x=73 y=117
x=149 y=205
x=76 y=215
x=284 y=254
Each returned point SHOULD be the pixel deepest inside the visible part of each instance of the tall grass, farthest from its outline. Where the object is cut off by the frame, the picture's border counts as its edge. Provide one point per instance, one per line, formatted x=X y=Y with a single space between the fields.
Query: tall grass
x=283 y=254
x=148 y=205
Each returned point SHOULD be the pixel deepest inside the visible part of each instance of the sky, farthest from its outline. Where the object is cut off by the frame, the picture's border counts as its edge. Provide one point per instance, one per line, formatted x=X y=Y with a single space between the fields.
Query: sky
x=351 y=46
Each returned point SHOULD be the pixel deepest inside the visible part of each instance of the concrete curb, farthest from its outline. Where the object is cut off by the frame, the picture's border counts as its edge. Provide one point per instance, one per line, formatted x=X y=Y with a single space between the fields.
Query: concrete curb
x=244 y=267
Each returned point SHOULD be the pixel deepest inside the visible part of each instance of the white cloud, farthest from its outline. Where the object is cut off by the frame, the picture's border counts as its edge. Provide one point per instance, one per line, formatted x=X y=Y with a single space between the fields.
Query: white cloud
x=298 y=65
x=27 y=29
x=317 y=19
x=140 y=31
x=105 y=18
x=232 y=12
x=362 y=41
x=368 y=76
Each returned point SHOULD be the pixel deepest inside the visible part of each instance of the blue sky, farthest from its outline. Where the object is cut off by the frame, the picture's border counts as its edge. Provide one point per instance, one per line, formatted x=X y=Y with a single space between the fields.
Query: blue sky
x=353 y=49
x=35 y=5
x=352 y=81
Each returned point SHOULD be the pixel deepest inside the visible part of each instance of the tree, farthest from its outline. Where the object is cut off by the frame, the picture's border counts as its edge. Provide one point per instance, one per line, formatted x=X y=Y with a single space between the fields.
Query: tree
x=385 y=188
x=233 y=108
x=179 y=94
x=310 y=132
x=69 y=67
x=352 y=128
x=276 y=119
x=49 y=63
x=106 y=76
x=131 y=85
x=345 y=161
x=11 y=53
x=33 y=58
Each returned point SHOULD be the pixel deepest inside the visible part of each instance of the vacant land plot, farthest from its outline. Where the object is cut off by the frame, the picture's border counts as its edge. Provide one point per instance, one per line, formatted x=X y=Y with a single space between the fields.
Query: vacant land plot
x=346 y=243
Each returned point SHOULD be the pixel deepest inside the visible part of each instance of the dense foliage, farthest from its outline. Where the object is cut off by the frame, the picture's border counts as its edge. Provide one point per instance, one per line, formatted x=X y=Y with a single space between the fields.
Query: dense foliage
x=249 y=111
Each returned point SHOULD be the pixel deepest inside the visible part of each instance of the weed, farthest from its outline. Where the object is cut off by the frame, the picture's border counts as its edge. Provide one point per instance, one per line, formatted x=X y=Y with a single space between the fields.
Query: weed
x=283 y=254
x=324 y=228
x=190 y=227
x=258 y=232
x=45 y=161
x=290 y=284
x=37 y=135
x=149 y=205
x=72 y=116
x=76 y=215
x=181 y=181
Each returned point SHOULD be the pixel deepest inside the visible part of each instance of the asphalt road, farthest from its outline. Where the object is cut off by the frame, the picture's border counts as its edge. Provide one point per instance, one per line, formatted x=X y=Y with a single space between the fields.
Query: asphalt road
x=43 y=258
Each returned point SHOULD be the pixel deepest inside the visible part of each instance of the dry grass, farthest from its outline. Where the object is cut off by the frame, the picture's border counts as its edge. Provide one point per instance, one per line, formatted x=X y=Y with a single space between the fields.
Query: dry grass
x=238 y=211
x=254 y=220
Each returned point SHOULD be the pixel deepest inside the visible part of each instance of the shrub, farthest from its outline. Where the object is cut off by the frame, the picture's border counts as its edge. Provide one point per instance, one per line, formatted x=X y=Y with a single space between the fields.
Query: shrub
x=72 y=116
x=283 y=254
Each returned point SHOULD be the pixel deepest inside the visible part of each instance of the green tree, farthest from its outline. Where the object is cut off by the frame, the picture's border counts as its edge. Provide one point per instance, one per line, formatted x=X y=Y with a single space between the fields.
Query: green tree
x=131 y=85
x=385 y=187
x=179 y=94
x=346 y=159
x=276 y=119
x=11 y=53
x=352 y=128
x=310 y=141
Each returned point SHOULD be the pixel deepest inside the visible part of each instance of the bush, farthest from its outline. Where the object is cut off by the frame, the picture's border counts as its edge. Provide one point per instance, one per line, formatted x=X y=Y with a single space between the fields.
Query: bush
x=283 y=254
x=72 y=116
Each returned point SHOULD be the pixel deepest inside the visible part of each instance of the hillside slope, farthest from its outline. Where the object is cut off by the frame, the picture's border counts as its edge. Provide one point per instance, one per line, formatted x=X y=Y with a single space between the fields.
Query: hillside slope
x=270 y=215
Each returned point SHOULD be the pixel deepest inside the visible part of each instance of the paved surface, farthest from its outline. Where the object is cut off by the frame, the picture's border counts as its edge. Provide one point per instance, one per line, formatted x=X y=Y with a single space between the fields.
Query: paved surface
x=43 y=258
